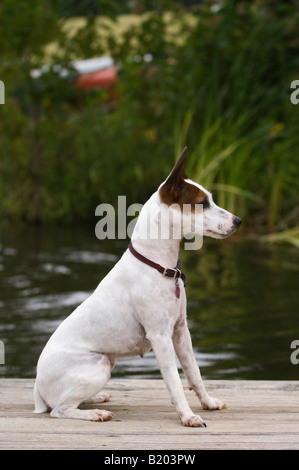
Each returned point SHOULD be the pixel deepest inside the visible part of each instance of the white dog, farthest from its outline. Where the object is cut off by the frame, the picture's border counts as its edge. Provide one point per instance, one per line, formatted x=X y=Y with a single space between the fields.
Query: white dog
x=139 y=305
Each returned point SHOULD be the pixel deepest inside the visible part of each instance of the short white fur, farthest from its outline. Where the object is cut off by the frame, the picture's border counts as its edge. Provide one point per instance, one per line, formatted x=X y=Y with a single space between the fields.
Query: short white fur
x=132 y=310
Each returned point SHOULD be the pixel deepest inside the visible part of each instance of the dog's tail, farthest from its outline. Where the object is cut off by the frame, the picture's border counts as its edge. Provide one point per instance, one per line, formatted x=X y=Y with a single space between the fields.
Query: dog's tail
x=40 y=404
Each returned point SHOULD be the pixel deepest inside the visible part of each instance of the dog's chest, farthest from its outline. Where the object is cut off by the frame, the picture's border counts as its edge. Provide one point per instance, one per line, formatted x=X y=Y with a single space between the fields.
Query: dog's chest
x=158 y=308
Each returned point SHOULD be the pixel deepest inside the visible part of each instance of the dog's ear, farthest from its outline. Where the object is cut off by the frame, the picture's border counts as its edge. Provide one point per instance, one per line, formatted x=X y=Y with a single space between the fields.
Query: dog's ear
x=178 y=172
x=172 y=187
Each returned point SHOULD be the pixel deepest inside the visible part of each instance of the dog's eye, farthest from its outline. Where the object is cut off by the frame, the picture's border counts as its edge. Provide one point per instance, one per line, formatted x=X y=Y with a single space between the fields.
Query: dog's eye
x=205 y=203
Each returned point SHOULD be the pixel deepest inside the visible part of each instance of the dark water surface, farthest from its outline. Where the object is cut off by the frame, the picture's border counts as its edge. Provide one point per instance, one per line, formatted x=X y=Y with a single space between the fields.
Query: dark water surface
x=243 y=301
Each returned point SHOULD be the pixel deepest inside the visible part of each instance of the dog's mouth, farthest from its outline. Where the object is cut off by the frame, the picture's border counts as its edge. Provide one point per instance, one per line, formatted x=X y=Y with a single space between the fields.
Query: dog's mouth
x=212 y=234
x=236 y=224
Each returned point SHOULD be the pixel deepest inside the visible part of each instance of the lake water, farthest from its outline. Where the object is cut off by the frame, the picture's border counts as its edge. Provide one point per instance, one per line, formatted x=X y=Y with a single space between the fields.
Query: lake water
x=243 y=300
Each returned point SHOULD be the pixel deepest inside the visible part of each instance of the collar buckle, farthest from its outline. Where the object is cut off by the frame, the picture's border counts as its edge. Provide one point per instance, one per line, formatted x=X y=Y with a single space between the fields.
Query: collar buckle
x=167 y=272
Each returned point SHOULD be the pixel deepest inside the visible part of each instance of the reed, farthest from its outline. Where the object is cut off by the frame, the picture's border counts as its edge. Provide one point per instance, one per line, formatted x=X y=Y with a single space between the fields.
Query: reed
x=218 y=80
x=252 y=176
x=286 y=236
x=241 y=125
x=224 y=165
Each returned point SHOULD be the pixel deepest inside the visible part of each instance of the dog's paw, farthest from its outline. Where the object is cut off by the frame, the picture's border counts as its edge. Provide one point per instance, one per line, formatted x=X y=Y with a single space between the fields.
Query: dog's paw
x=213 y=404
x=101 y=397
x=100 y=415
x=194 y=421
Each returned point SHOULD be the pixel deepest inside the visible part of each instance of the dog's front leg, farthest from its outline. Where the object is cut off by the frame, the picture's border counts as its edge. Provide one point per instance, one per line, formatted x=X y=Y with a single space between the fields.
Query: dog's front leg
x=164 y=351
x=184 y=350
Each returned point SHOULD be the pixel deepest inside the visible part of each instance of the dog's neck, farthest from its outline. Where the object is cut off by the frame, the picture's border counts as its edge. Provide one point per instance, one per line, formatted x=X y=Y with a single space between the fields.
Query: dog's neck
x=146 y=236
x=163 y=252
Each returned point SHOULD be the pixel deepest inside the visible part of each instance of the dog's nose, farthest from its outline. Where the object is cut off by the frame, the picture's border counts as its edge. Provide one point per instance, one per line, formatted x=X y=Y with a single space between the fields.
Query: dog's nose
x=237 y=221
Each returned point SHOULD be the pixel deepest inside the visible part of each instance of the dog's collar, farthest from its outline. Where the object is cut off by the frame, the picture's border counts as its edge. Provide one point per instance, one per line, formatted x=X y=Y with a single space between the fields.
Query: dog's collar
x=174 y=273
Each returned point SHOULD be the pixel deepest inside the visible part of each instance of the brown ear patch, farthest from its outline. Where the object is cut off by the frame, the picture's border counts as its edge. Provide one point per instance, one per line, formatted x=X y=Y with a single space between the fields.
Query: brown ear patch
x=181 y=193
x=176 y=190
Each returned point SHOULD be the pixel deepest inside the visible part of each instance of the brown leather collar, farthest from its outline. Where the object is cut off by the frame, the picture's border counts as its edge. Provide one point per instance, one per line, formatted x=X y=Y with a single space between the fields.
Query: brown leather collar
x=174 y=273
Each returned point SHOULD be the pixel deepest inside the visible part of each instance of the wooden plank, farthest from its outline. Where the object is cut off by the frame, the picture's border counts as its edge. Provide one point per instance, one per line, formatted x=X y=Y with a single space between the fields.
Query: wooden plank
x=260 y=415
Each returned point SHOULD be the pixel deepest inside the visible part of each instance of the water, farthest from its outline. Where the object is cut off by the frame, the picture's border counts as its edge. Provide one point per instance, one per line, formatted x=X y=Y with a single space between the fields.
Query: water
x=243 y=301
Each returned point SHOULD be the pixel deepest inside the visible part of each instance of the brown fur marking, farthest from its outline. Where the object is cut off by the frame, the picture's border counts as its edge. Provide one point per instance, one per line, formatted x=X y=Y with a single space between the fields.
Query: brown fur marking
x=183 y=193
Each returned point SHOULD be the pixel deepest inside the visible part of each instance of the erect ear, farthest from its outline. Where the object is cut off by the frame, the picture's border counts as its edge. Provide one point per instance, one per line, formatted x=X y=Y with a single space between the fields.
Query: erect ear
x=171 y=189
x=178 y=172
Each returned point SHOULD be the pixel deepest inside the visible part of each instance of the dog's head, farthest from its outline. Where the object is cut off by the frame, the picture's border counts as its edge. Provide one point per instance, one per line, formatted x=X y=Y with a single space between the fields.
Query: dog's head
x=183 y=195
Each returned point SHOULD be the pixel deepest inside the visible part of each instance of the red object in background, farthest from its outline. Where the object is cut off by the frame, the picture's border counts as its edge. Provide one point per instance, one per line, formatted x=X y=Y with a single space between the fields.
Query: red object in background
x=101 y=79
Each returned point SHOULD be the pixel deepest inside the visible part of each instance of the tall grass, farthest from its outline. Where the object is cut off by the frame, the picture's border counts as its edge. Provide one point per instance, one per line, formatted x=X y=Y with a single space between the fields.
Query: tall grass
x=221 y=164
x=252 y=175
x=218 y=82
x=289 y=236
x=241 y=127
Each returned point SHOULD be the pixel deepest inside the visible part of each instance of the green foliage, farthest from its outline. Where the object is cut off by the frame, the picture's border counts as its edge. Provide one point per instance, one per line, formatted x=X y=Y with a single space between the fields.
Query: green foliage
x=216 y=79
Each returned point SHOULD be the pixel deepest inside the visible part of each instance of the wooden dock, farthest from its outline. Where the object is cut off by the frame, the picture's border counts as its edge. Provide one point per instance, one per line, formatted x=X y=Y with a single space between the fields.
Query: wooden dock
x=260 y=415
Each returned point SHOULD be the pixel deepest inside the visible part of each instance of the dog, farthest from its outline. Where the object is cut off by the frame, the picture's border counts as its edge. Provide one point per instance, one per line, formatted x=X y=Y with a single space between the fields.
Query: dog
x=140 y=305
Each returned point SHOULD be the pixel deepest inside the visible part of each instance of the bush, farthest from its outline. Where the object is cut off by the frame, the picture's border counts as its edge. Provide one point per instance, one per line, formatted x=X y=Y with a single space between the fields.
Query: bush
x=216 y=79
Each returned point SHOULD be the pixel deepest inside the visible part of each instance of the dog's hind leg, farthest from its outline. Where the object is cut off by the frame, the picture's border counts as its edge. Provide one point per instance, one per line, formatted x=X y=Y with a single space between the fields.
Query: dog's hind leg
x=98 y=398
x=80 y=378
x=70 y=410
